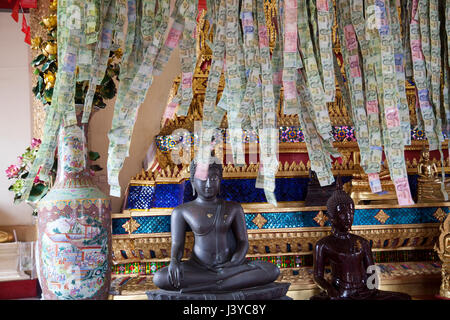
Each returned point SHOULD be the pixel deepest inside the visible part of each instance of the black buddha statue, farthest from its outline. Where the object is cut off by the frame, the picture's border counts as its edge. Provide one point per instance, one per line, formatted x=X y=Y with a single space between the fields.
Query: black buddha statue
x=348 y=255
x=217 y=263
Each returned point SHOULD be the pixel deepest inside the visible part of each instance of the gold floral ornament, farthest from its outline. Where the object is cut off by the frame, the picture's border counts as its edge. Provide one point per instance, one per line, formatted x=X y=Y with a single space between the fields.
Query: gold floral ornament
x=321 y=218
x=50 y=48
x=382 y=216
x=131 y=226
x=36 y=43
x=46 y=66
x=259 y=220
x=440 y=214
x=118 y=53
x=53 y=5
x=50 y=22
x=49 y=80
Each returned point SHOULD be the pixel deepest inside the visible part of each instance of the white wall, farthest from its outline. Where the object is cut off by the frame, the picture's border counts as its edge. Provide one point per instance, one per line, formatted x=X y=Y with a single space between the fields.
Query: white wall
x=15 y=114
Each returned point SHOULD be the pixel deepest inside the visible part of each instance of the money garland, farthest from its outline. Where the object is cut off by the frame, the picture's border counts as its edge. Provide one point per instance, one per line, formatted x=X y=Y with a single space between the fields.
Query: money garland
x=302 y=62
x=100 y=52
x=436 y=80
x=403 y=108
x=373 y=119
x=420 y=77
x=235 y=81
x=313 y=81
x=252 y=90
x=290 y=56
x=132 y=91
x=423 y=11
x=187 y=55
x=312 y=109
x=211 y=114
x=71 y=28
x=446 y=61
x=350 y=53
x=320 y=160
x=277 y=56
x=325 y=18
x=392 y=132
x=268 y=136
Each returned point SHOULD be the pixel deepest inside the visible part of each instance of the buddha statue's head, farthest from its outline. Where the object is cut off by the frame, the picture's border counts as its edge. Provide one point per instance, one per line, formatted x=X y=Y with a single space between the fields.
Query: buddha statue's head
x=340 y=208
x=425 y=154
x=209 y=188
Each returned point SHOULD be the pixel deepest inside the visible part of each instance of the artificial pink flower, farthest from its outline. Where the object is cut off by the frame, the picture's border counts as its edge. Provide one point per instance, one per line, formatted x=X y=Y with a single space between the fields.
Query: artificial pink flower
x=37 y=180
x=35 y=143
x=20 y=158
x=12 y=171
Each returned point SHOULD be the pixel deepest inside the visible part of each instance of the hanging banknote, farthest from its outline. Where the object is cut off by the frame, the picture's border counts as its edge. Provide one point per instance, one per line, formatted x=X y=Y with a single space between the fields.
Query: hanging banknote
x=136 y=77
x=82 y=27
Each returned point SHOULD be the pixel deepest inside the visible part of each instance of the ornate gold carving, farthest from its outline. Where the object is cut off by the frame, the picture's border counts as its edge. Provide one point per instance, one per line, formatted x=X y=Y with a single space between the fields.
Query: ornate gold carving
x=131 y=226
x=382 y=216
x=301 y=280
x=440 y=214
x=301 y=240
x=175 y=174
x=359 y=187
x=443 y=249
x=259 y=220
x=321 y=218
x=429 y=183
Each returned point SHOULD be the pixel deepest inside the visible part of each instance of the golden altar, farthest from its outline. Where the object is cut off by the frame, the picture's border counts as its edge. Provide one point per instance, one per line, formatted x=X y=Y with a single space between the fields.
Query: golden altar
x=402 y=238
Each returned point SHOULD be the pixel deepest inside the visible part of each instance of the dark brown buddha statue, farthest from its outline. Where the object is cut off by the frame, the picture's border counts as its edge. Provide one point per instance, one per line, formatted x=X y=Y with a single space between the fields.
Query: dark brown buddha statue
x=218 y=262
x=349 y=256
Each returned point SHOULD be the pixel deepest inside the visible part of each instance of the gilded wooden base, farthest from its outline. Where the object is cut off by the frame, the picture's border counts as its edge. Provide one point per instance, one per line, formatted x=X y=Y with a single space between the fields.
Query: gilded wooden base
x=443 y=249
x=419 y=279
x=360 y=197
x=444 y=290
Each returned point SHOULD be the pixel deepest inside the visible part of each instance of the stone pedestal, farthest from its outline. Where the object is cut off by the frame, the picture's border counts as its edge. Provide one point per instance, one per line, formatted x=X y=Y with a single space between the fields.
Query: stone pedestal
x=272 y=291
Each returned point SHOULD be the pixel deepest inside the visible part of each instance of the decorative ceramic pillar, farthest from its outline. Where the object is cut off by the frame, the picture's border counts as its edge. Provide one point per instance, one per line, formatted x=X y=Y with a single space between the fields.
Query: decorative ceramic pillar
x=74 y=227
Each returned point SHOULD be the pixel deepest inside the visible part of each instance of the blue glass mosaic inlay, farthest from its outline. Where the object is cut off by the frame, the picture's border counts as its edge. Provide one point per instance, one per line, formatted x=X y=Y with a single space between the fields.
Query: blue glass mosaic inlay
x=159 y=196
x=140 y=197
x=244 y=191
x=154 y=224
x=298 y=219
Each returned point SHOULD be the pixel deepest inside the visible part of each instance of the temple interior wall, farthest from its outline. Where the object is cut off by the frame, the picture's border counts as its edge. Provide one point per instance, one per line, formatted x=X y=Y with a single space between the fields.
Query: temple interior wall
x=146 y=128
x=15 y=118
x=15 y=89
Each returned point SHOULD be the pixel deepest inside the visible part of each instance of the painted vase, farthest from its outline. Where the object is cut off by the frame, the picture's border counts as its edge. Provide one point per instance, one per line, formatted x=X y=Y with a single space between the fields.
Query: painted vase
x=74 y=227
